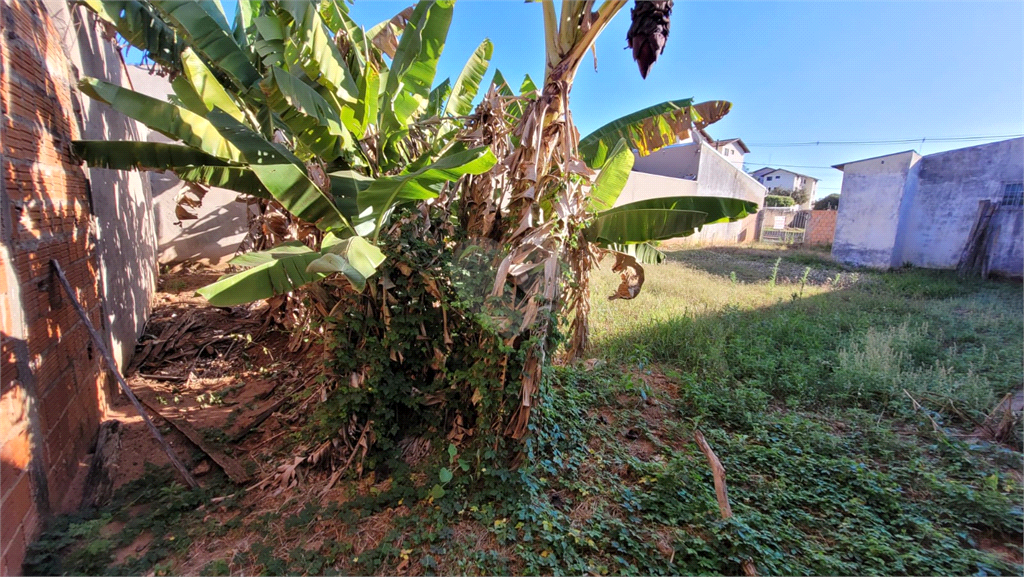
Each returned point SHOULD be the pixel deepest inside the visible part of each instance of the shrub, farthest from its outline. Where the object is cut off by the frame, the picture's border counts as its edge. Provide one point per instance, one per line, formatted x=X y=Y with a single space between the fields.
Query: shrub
x=775 y=200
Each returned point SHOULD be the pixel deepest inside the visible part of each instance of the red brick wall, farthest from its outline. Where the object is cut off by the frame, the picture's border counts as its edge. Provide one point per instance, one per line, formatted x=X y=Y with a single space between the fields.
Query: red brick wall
x=821 y=227
x=50 y=379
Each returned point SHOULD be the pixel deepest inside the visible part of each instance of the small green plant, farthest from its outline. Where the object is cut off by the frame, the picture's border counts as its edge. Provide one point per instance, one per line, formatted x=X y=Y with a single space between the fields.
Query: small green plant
x=732 y=278
x=803 y=280
x=774 y=275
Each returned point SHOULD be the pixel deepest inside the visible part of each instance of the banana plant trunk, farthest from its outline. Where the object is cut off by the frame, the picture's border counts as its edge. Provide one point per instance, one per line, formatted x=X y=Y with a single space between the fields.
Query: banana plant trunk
x=542 y=226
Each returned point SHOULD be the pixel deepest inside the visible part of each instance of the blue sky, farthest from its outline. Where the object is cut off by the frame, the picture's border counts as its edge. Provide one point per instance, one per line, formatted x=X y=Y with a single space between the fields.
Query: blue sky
x=794 y=71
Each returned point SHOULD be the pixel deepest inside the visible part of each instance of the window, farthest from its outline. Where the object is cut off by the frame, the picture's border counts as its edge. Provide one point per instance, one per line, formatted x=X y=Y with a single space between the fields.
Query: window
x=1013 y=194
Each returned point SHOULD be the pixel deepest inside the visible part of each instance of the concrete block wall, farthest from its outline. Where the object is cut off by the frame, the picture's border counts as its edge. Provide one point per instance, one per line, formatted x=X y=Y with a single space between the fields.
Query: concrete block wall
x=821 y=227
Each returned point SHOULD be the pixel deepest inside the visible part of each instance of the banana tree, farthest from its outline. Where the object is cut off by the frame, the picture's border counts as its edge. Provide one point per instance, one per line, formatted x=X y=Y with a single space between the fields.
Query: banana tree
x=295 y=104
x=550 y=199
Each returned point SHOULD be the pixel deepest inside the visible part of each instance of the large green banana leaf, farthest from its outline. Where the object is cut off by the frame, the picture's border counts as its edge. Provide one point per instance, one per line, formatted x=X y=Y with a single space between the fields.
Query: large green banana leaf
x=273 y=272
x=291 y=265
x=311 y=118
x=170 y=120
x=206 y=86
x=467 y=84
x=211 y=38
x=386 y=192
x=187 y=163
x=282 y=174
x=134 y=155
x=269 y=41
x=415 y=62
x=139 y=24
x=353 y=257
x=317 y=53
x=717 y=208
x=234 y=178
x=651 y=129
x=612 y=179
x=643 y=225
x=359 y=116
x=643 y=252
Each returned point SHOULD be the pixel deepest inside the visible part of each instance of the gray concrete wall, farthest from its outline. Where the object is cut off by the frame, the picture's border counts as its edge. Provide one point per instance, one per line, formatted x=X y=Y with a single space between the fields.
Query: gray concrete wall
x=945 y=206
x=868 y=219
x=675 y=161
x=1006 y=256
x=716 y=176
x=121 y=201
x=212 y=238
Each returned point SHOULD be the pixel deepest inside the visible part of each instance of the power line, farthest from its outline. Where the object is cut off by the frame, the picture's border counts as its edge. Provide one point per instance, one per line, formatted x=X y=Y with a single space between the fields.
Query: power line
x=784 y=165
x=899 y=141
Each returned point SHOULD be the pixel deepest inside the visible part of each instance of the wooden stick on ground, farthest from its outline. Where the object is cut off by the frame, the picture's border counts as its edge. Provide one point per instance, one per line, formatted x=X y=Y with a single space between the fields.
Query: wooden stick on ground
x=234 y=470
x=718 y=472
x=98 y=341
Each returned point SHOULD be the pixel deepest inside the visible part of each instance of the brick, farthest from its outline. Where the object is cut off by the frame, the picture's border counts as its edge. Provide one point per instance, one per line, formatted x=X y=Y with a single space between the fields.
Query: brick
x=12 y=559
x=14 y=506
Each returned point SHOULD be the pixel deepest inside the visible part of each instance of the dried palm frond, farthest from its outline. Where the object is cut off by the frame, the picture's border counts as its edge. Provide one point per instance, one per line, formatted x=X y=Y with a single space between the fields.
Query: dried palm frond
x=649 y=32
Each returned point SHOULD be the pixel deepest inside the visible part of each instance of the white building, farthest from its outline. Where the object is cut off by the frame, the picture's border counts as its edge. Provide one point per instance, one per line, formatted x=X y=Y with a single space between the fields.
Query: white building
x=733 y=149
x=907 y=208
x=773 y=178
x=697 y=169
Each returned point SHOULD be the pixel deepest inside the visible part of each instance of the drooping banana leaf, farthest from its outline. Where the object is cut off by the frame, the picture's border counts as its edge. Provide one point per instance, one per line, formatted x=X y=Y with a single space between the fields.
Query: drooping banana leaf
x=317 y=53
x=206 y=85
x=643 y=225
x=527 y=88
x=415 y=62
x=236 y=178
x=651 y=129
x=717 y=208
x=385 y=193
x=282 y=174
x=468 y=83
x=269 y=41
x=142 y=26
x=643 y=252
x=354 y=257
x=277 y=271
x=210 y=39
x=612 y=179
x=186 y=96
x=135 y=155
x=311 y=118
x=170 y=120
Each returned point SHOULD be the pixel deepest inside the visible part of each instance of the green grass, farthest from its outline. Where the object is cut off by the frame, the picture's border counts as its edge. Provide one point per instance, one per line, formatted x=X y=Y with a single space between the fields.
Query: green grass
x=802 y=386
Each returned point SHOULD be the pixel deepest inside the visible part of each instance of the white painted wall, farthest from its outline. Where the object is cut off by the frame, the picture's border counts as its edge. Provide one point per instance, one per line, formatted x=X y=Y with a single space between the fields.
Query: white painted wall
x=945 y=206
x=733 y=153
x=904 y=208
x=868 y=219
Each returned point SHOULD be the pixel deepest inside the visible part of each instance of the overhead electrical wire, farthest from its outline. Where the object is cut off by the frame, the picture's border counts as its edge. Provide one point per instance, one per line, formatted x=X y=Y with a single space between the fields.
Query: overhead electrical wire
x=898 y=141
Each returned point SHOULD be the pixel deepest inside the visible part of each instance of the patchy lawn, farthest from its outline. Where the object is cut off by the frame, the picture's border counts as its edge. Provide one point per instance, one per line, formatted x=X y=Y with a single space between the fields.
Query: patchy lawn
x=858 y=416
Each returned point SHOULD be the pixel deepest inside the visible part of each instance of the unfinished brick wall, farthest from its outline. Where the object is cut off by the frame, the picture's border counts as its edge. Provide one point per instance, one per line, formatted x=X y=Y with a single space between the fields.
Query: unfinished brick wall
x=821 y=227
x=50 y=378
